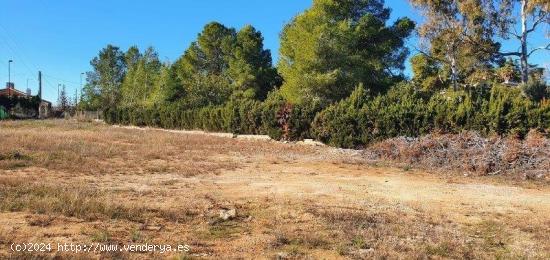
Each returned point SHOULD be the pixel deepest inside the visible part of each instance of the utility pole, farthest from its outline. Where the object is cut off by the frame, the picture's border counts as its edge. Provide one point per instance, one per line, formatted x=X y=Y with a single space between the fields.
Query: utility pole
x=40 y=85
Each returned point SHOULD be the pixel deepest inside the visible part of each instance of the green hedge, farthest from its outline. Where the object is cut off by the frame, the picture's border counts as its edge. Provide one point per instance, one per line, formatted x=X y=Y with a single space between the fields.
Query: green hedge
x=404 y=111
x=358 y=120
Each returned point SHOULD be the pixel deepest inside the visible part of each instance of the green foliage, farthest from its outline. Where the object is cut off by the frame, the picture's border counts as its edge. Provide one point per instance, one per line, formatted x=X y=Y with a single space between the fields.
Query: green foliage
x=202 y=70
x=3 y=113
x=404 y=111
x=335 y=45
x=359 y=119
x=426 y=73
x=224 y=63
x=301 y=117
x=103 y=85
x=250 y=66
x=508 y=111
x=342 y=124
x=143 y=73
x=26 y=104
x=536 y=90
x=343 y=85
x=269 y=114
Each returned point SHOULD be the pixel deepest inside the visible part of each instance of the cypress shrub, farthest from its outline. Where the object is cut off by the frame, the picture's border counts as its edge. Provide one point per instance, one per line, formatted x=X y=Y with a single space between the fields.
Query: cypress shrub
x=357 y=120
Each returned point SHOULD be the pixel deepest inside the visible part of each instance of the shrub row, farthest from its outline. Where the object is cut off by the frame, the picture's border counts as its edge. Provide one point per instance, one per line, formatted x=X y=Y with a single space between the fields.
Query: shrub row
x=239 y=117
x=404 y=111
x=358 y=120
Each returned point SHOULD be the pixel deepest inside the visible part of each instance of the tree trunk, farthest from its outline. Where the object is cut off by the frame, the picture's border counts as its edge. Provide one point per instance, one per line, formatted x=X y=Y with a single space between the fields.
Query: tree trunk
x=454 y=73
x=451 y=56
x=523 y=57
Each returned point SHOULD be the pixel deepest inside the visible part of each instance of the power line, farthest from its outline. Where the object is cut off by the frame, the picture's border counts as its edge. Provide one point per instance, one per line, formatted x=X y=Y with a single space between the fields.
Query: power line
x=15 y=50
x=60 y=79
x=20 y=56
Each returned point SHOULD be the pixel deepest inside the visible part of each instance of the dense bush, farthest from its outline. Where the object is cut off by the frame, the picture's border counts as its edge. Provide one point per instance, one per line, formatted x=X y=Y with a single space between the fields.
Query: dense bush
x=404 y=111
x=240 y=117
x=358 y=120
x=342 y=124
x=270 y=110
x=536 y=90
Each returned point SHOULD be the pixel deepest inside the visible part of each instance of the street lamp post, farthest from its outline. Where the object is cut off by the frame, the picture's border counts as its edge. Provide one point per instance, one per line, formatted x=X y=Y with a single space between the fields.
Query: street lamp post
x=9 y=72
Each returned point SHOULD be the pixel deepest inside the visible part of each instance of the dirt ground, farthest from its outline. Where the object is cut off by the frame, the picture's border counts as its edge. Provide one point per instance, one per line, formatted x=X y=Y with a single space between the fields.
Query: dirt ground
x=86 y=183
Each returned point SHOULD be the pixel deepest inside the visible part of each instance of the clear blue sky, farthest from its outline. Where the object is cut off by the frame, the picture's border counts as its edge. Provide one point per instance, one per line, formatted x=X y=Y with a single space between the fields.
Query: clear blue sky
x=60 y=37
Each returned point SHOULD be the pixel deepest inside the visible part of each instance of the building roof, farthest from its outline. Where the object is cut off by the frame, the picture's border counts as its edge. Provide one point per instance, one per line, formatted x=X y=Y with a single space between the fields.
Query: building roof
x=12 y=91
x=15 y=92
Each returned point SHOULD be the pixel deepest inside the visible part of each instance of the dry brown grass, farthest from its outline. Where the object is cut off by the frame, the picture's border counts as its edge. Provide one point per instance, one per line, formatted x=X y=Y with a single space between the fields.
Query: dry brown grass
x=64 y=181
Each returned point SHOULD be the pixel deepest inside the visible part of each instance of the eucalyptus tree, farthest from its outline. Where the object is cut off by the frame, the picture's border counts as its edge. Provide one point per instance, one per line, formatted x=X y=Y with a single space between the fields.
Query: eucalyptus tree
x=458 y=36
x=529 y=15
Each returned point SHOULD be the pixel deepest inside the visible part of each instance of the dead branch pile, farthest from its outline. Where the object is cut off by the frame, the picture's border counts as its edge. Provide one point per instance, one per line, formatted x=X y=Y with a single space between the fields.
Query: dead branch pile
x=471 y=153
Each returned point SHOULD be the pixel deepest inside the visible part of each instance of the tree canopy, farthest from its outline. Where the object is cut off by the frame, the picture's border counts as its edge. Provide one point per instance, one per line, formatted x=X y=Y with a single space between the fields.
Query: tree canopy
x=335 y=45
x=222 y=63
x=105 y=80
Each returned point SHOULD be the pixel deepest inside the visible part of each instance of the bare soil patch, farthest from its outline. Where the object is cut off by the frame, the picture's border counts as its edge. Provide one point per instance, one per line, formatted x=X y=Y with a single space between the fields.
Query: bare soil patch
x=71 y=182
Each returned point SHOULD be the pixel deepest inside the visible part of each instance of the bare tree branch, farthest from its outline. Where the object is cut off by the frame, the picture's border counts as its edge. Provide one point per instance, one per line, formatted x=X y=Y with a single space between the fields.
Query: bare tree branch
x=510 y=53
x=516 y=35
x=547 y=47
x=542 y=17
x=429 y=55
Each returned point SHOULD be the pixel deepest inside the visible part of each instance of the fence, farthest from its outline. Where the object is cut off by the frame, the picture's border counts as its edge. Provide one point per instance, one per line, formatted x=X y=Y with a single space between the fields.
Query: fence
x=87 y=115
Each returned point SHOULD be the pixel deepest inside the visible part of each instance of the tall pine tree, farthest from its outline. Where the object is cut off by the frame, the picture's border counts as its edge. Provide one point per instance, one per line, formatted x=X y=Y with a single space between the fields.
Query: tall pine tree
x=337 y=44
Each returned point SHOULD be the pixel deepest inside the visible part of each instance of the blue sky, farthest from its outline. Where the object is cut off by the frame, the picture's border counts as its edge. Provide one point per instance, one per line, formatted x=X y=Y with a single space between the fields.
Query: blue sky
x=61 y=37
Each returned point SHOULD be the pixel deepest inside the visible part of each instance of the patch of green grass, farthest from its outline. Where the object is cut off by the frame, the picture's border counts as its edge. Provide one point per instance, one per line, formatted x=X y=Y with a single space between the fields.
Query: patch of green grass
x=359 y=242
x=101 y=236
x=223 y=229
x=136 y=236
x=493 y=234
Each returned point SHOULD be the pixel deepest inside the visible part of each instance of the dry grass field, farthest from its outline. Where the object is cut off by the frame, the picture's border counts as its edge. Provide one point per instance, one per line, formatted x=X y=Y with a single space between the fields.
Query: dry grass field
x=86 y=183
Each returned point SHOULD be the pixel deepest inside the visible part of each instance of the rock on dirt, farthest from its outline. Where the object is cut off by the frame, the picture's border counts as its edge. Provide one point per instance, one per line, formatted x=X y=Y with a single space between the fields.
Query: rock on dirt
x=310 y=142
x=255 y=137
x=281 y=256
x=228 y=214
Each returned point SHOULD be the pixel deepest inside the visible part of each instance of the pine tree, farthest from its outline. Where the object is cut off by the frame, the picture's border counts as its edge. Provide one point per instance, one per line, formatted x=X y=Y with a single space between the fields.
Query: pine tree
x=335 y=45
x=63 y=101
